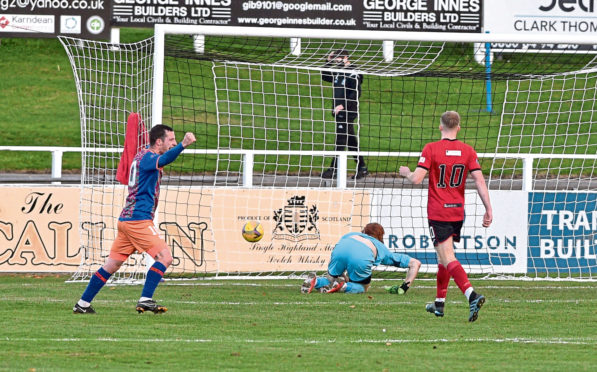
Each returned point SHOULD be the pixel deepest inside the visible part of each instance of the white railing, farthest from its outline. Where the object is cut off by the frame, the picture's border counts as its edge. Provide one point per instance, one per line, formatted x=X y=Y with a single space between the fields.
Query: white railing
x=249 y=155
x=57 y=153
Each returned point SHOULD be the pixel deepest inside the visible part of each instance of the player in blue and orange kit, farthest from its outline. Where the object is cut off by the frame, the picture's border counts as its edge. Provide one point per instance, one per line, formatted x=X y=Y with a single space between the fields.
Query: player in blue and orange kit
x=448 y=162
x=136 y=231
x=356 y=254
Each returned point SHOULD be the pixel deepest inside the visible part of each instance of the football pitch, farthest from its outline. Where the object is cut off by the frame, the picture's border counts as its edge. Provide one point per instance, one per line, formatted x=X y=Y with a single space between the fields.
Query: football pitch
x=263 y=325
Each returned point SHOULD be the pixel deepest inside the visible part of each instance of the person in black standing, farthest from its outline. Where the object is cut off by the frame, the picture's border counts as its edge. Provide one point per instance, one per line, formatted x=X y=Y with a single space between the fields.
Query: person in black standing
x=347 y=90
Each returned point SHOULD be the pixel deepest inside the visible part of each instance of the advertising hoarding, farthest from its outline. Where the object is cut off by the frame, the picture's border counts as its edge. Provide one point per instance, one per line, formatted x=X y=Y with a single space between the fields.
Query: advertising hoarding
x=532 y=17
x=562 y=231
x=463 y=16
x=532 y=232
x=503 y=245
x=89 y=19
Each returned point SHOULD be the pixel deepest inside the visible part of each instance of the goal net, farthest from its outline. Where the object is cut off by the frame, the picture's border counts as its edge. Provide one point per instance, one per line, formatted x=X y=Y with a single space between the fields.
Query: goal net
x=261 y=109
x=114 y=88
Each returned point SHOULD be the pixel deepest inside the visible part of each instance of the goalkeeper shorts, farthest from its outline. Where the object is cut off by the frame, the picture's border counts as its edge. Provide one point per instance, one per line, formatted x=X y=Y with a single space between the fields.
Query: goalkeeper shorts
x=353 y=257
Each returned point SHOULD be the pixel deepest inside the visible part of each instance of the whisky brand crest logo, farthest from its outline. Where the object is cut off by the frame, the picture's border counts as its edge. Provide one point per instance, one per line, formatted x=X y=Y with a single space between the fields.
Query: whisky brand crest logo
x=296 y=221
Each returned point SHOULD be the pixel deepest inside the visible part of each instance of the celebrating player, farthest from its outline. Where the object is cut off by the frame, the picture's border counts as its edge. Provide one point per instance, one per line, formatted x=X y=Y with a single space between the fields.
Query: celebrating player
x=448 y=162
x=136 y=231
x=357 y=253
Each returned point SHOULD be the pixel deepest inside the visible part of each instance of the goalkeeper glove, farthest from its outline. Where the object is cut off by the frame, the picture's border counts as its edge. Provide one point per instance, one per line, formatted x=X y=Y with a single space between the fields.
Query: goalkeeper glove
x=399 y=289
x=404 y=287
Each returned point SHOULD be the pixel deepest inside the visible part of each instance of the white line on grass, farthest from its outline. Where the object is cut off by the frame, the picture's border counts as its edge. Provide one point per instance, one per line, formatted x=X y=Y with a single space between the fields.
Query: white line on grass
x=575 y=341
x=571 y=340
x=307 y=303
x=536 y=286
x=478 y=284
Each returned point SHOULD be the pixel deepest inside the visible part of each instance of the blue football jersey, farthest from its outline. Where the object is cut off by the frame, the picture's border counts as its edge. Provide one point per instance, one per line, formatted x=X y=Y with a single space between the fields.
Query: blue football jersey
x=143 y=187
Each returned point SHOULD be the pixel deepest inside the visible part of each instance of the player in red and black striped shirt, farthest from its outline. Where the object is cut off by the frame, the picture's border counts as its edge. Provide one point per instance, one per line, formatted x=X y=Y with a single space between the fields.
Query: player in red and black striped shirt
x=448 y=162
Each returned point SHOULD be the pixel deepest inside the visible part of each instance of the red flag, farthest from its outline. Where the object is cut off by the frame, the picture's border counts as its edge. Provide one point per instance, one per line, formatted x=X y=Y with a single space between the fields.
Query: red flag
x=136 y=138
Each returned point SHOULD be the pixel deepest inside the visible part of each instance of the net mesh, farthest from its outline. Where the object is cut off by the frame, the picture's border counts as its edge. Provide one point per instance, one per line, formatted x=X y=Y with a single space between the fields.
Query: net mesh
x=262 y=115
x=112 y=82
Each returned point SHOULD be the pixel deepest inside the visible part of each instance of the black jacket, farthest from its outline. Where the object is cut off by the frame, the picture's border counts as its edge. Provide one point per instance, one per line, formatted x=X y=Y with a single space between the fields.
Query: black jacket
x=347 y=89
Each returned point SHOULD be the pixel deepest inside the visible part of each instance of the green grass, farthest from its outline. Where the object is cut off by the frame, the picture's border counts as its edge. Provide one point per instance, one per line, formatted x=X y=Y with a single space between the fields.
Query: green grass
x=263 y=108
x=269 y=325
x=38 y=101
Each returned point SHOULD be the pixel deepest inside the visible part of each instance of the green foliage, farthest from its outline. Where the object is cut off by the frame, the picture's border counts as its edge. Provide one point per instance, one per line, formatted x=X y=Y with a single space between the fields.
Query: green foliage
x=269 y=326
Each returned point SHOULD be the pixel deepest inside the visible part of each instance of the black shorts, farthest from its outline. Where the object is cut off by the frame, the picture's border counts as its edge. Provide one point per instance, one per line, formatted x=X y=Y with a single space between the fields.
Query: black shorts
x=441 y=231
x=364 y=281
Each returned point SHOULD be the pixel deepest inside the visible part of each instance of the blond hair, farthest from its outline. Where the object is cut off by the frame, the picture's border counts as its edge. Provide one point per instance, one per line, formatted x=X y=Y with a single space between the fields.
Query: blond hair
x=450 y=119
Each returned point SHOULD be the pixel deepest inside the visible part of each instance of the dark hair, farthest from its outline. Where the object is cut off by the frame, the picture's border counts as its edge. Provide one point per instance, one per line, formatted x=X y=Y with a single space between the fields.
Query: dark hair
x=450 y=119
x=340 y=53
x=374 y=230
x=157 y=132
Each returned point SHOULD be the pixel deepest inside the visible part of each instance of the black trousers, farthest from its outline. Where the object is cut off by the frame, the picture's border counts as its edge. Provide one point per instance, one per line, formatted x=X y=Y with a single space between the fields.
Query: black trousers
x=346 y=137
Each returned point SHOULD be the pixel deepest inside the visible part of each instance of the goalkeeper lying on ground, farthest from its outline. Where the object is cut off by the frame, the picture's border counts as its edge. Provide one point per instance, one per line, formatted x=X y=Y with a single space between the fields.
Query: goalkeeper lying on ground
x=353 y=258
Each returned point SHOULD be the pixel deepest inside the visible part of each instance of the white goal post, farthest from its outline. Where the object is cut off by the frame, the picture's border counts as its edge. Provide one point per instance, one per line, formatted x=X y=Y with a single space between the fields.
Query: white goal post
x=262 y=113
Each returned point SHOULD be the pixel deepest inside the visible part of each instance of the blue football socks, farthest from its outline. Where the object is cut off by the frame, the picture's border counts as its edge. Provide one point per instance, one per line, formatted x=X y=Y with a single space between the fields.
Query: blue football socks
x=154 y=275
x=96 y=283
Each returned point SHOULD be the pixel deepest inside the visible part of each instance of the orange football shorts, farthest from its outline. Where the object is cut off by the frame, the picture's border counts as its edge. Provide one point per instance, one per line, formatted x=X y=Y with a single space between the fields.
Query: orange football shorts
x=140 y=236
